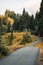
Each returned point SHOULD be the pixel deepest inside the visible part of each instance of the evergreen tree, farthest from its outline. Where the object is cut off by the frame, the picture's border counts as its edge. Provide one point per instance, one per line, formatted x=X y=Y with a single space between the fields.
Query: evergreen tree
x=40 y=27
x=0 y=26
x=8 y=27
x=32 y=23
x=41 y=10
x=24 y=21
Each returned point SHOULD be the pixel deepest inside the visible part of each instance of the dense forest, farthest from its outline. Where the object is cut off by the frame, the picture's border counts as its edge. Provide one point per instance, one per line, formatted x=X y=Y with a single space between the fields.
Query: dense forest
x=22 y=22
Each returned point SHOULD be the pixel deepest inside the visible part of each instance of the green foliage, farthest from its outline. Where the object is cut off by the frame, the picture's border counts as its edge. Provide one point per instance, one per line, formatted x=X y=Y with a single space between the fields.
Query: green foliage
x=26 y=39
x=8 y=27
x=39 y=20
x=10 y=38
x=40 y=25
x=23 y=21
x=41 y=10
x=40 y=28
x=2 y=26
x=0 y=40
x=32 y=23
x=4 y=50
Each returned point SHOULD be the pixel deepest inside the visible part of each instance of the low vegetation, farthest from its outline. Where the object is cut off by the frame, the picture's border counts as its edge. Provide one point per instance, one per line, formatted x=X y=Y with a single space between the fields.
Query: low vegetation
x=4 y=50
x=19 y=40
x=26 y=39
x=40 y=45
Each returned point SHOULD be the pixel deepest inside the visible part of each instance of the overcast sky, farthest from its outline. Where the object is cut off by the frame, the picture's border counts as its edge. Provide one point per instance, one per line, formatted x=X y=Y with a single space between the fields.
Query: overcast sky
x=17 y=5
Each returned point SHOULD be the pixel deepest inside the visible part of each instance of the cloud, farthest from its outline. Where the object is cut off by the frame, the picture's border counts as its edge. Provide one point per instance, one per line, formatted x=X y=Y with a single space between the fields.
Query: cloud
x=17 y=5
x=31 y=6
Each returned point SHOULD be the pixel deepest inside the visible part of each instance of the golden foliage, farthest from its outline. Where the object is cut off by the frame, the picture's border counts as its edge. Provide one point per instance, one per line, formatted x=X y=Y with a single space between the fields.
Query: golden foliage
x=10 y=20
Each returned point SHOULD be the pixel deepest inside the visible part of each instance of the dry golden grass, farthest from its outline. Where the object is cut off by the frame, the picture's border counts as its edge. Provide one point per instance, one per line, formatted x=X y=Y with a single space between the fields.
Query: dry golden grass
x=16 y=40
x=1 y=56
x=40 y=45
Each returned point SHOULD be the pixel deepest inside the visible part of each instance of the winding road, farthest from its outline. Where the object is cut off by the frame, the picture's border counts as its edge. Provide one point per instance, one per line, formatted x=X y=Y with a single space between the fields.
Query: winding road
x=24 y=56
x=38 y=39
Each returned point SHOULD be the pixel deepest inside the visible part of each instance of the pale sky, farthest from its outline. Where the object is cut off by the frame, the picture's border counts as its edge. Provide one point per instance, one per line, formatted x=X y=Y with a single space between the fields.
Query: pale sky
x=17 y=6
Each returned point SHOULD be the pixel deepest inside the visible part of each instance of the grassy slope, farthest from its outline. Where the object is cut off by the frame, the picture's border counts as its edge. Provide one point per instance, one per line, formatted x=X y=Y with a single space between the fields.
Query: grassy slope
x=39 y=44
x=16 y=41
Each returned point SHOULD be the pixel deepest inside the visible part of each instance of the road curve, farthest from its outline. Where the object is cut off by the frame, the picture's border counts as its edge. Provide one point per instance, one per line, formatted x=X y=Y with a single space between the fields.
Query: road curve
x=38 y=39
x=24 y=56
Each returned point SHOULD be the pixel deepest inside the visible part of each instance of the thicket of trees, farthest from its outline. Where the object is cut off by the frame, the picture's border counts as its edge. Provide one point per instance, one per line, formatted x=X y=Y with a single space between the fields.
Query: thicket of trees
x=41 y=19
x=21 y=22
x=24 y=21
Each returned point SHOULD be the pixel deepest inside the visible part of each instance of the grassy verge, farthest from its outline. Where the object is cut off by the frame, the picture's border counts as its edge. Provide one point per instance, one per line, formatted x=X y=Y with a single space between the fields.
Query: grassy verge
x=1 y=56
x=39 y=44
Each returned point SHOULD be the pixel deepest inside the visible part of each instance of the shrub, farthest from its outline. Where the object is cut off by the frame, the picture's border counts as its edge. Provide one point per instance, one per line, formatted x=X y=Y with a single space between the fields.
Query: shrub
x=0 y=40
x=9 y=40
x=26 y=39
x=4 y=50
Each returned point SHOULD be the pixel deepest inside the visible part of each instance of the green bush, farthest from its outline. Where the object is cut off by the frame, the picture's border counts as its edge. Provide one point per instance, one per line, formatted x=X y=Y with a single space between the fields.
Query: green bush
x=0 y=40
x=26 y=39
x=9 y=40
x=4 y=50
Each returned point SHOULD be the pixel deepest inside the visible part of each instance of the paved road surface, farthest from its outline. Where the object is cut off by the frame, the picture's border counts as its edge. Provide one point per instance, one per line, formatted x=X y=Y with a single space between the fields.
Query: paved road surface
x=24 y=56
x=36 y=42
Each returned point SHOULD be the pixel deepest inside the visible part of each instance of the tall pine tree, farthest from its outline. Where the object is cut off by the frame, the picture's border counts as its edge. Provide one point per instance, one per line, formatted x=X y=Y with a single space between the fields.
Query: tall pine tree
x=41 y=10
x=40 y=27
